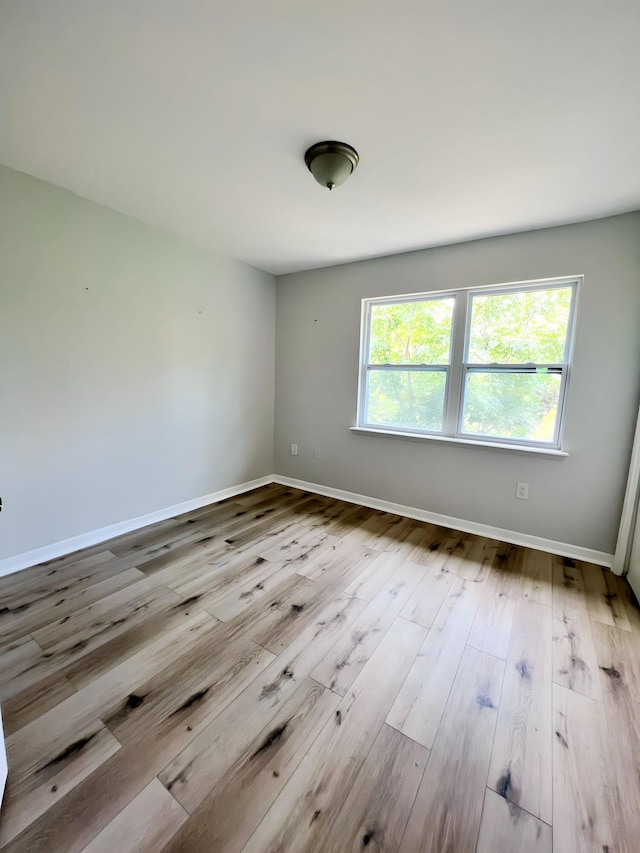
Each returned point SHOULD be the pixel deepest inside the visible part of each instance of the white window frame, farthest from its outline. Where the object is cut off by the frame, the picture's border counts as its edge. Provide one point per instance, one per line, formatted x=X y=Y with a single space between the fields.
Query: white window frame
x=459 y=366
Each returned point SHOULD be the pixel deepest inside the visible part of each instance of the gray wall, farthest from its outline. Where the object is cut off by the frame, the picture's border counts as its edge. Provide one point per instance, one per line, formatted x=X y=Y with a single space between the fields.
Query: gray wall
x=136 y=371
x=576 y=500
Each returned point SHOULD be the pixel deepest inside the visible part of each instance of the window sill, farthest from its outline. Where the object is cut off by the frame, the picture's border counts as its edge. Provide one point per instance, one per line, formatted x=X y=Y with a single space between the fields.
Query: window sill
x=491 y=445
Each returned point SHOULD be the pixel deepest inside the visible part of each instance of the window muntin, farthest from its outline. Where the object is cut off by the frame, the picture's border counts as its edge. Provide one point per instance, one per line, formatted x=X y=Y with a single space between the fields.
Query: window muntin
x=490 y=364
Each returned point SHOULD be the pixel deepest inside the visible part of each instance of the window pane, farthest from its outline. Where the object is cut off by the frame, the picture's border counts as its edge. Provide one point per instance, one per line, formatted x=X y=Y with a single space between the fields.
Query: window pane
x=411 y=332
x=512 y=405
x=522 y=327
x=406 y=398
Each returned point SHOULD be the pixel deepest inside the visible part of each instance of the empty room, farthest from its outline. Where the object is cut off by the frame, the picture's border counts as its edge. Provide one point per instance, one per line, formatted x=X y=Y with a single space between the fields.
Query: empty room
x=319 y=451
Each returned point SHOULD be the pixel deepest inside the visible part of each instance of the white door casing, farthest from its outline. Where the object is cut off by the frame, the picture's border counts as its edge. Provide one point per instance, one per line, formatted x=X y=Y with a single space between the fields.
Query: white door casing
x=3 y=760
x=627 y=556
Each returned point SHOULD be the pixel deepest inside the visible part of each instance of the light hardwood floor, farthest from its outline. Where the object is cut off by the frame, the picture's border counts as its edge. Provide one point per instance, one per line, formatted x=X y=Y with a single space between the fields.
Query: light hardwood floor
x=286 y=672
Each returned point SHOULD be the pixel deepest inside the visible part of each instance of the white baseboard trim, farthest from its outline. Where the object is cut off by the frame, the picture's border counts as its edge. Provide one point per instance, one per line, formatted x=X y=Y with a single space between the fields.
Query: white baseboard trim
x=576 y=552
x=95 y=537
x=103 y=534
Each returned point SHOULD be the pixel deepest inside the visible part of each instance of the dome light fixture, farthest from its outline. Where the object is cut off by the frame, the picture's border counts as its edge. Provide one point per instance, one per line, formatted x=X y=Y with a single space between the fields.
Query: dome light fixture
x=331 y=163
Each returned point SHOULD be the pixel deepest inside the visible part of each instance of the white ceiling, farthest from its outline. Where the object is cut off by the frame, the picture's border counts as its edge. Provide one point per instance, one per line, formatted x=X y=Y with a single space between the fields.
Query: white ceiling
x=472 y=117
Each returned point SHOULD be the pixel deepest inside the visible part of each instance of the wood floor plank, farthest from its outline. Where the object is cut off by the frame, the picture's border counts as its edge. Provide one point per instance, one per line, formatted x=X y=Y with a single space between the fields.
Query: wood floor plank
x=384 y=532
x=154 y=623
x=202 y=681
x=63 y=603
x=142 y=546
x=155 y=536
x=376 y=809
x=268 y=526
x=420 y=703
x=264 y=536
x=375 y=575
x=264 y=618
x=192 y=773
x=34 y=701
x=433 y=538
x=314 y=795
x=349 y=550
x=344 y=662
x=68 y=825
x=301 y=547
x=261 y=584
x=296 y=610
x=31 y=585
x=181 y=562
x=629 y=603
x=212 y=579
x=351 y=517
x=258 y=495
x=477 y=562
x=619 y=662
x=446 y=814
x=40 y=777
x=222 y=560
x=431 y=592
x=602 y=597
x=114 y=687
x=583 y=803
x=245 y=535
x=303 y=717
x=228 y=815
x=536 y=583
x=574 y=658
x=505 y=827
x=73 y=652
x=101 y=579
x=186 y=545
x=291 y=607
x=521 y=761
x=143 y=826
x=401 y=537
x=202 y=534
x=491 y=628
x=93 y=619
x=16 y=657
x=460 y=547
x=616 y=601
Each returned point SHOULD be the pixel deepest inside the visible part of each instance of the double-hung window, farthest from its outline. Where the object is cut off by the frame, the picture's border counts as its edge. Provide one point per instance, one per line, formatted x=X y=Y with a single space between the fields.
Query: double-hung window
x=479 y=364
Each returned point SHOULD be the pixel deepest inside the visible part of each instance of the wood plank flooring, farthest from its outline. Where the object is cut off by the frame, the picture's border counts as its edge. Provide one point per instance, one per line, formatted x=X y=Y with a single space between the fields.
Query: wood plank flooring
x=287 y=672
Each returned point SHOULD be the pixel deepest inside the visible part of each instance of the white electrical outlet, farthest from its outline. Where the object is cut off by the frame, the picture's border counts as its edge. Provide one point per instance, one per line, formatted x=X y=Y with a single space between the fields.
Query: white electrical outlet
x=294 y=449
x=316 y=453
x=522 y=491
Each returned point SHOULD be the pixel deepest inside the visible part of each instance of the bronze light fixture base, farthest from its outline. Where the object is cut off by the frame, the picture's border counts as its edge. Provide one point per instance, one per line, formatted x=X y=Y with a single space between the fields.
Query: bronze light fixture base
x=331 y=162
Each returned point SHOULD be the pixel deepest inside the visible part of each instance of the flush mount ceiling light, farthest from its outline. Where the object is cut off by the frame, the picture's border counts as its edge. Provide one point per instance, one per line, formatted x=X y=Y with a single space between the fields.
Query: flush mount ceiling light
x=331 y=163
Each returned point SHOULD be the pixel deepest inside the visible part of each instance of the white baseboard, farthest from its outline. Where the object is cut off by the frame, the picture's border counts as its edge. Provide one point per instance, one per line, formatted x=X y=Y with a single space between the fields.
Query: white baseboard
x=95 y=537
x=103 y=534
x=576 y=552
